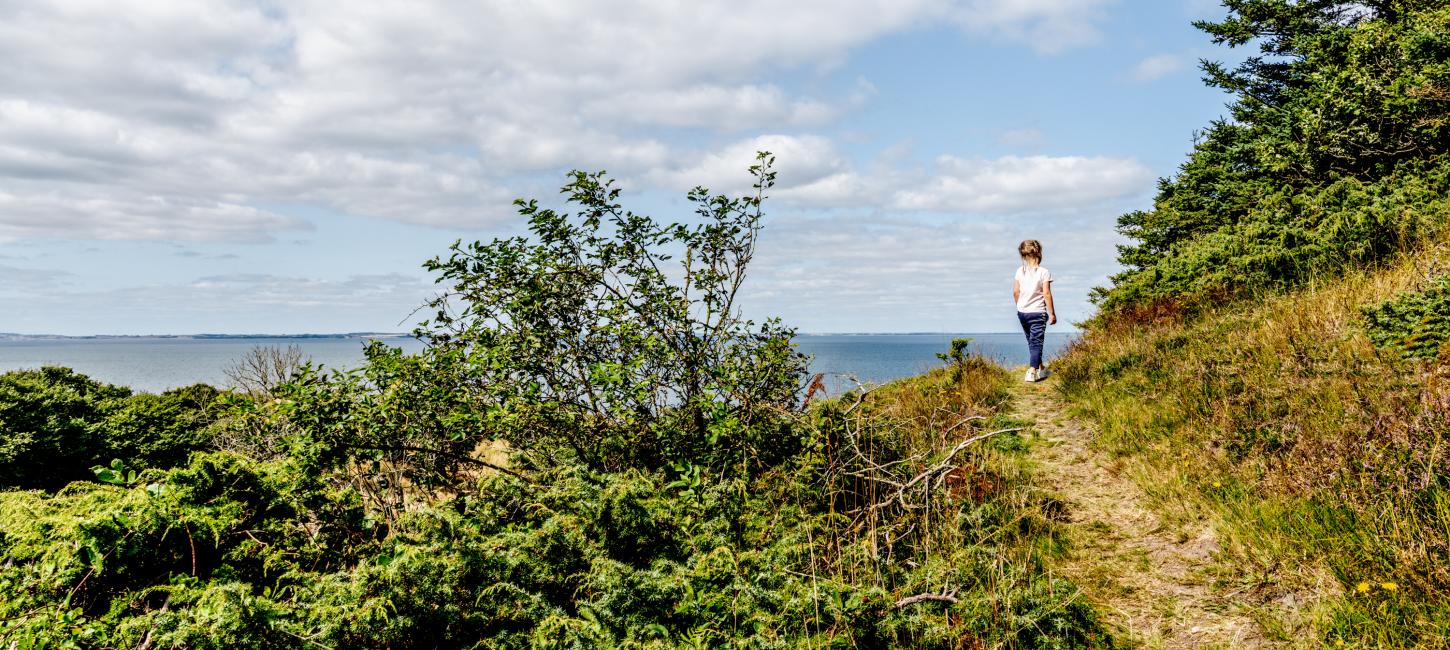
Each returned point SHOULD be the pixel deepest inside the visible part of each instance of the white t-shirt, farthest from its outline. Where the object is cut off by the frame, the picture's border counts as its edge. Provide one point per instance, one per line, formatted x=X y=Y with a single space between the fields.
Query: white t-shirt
x=1031 y=284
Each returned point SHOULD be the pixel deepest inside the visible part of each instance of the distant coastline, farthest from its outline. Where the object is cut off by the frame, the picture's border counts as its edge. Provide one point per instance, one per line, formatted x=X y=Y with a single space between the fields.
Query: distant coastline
x=11 y=336
x=1057 y=331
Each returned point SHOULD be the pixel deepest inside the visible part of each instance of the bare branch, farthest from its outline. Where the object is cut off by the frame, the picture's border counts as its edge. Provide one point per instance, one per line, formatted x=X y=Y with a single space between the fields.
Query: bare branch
x=925 y=598
x=265 y=367
x=944 y=465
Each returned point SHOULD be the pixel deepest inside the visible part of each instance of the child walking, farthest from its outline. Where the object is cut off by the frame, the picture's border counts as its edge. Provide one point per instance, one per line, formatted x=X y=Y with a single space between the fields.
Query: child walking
x=1032 y=289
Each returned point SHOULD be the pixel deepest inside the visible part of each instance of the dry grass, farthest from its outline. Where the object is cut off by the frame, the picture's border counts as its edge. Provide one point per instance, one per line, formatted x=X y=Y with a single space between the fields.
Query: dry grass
x=1318 y=460
x=1151 y=576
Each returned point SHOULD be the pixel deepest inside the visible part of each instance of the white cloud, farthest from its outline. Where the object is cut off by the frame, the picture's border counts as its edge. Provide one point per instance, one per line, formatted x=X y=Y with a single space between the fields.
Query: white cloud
x=800 y=161
x=151 y=119
x=124 y=215
x=1049 y=26
x=813 y=173
x=1157 y=66
x=1026 y=184
x=714 y=107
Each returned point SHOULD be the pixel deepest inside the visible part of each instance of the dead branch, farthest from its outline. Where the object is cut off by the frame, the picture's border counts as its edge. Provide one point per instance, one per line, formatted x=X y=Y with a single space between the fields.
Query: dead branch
x=925 y=598
x=965 y=420
x=860 y=399
x=944 y=465
x=265 y=367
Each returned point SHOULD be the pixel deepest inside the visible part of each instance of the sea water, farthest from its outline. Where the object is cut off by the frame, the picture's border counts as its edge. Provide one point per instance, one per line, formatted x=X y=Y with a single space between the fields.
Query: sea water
x=155 y=364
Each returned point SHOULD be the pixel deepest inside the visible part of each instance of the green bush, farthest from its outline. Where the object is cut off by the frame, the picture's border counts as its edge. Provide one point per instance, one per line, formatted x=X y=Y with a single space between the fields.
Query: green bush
x=55 y=424
x=1414 y=324
x=576 y=344
x=160 y=430
x=617 y=339
x=48 y=432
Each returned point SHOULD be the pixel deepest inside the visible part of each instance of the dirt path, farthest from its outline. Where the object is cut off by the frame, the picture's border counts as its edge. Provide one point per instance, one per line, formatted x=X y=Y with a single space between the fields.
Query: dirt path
x=1152 y=583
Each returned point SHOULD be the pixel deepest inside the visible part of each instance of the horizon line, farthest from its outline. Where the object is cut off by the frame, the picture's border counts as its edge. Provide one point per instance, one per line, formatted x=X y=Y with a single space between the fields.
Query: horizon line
x=365 y=334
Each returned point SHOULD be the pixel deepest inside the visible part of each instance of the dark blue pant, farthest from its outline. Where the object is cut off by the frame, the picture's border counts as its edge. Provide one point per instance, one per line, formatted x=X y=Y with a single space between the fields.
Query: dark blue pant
x=1034 y=325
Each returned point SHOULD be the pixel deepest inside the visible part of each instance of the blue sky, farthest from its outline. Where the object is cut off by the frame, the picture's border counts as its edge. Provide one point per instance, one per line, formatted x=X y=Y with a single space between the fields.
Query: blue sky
x=239 y=167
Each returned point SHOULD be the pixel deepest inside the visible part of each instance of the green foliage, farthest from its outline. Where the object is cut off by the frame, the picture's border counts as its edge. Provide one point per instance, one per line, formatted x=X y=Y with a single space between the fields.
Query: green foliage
x=159 y=430
x=409 y=413
x=1334 y=160
x=229 y=552
x=113 y=553
x=47 y=432
x=1335 y=155
x=956 y=355
x=576 y=344
x=581 y=338
x=1415 y=324
x=55 y=424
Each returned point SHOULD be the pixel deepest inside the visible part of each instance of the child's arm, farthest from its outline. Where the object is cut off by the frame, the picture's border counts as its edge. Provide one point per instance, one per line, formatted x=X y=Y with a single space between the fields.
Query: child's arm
x=1016 y=290
x=1047 y=295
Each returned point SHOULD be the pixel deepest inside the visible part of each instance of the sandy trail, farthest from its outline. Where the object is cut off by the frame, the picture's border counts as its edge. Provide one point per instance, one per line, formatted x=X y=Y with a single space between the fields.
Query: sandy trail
x=1152 y=583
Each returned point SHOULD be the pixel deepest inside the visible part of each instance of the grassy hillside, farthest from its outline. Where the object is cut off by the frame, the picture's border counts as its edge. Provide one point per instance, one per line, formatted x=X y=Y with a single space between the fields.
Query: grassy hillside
x=1272 y=359
x=1322 y=460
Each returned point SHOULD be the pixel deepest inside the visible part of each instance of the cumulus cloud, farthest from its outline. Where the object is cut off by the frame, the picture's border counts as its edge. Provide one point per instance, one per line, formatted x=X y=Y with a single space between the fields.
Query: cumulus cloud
x=1157 y=66
x=800 y=161
x=124 y=215
x=813 y=173
x=151 y=119
x=713 y=106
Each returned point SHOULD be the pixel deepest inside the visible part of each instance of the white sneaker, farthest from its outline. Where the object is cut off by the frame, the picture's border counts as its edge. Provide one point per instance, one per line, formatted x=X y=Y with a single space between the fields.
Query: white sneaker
x=1031 y=375
x=1043 y=374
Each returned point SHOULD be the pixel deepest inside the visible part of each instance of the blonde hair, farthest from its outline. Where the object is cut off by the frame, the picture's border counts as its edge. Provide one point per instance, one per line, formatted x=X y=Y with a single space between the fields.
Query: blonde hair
x=1030 y=249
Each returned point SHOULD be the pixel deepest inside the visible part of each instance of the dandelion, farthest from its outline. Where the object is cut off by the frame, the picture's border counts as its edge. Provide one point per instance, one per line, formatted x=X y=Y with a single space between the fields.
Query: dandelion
x=1389 y=586
x=1217 y=484
x=1362 y=587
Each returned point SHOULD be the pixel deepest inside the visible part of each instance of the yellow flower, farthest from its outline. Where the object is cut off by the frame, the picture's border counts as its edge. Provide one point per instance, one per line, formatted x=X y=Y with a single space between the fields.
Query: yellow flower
x=1217 y=484
x=1362 y=587
x=1389 y=586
